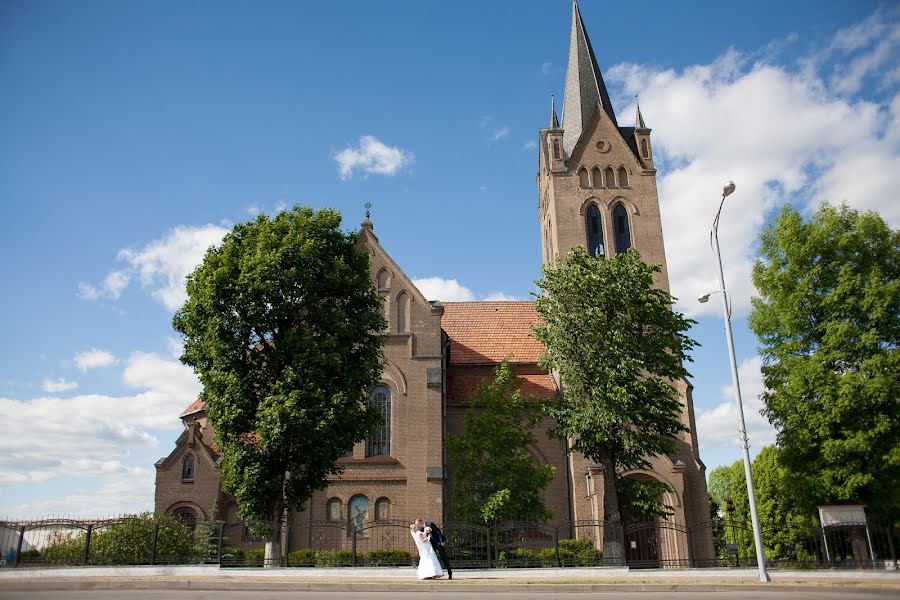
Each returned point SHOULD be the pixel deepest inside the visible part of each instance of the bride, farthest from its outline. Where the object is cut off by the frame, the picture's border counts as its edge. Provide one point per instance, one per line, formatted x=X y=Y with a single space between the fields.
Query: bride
x=429 y=566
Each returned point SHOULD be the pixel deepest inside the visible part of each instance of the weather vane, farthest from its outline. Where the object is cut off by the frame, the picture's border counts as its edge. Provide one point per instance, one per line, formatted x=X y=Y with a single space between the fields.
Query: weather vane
x=368 y=206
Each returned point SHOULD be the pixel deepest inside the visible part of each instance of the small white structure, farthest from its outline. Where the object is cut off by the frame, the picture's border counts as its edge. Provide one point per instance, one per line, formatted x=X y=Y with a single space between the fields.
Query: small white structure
x=845 y=516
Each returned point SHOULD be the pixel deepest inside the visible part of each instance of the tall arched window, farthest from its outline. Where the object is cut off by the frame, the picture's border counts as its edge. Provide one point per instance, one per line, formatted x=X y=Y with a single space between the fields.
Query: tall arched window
x=334 y=509
x=620 y=228
x=187 y=468
x=623 y=177
x=382 y=509
x=594 y=228
x=384 y=279
x=583 y=180
x=610 y=176
x=645 y=149
x=556 y=149
x=358 y=511
x=597 y=176
x=188 y=517
x=379 y=443
x=403 y=312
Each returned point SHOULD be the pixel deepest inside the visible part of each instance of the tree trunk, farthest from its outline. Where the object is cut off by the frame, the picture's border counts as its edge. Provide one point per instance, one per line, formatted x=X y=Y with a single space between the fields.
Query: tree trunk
x=273 y=549
x=613 y=536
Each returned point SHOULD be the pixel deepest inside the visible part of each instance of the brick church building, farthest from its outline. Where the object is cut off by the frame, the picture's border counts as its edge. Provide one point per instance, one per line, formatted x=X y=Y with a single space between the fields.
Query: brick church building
x=596 y=188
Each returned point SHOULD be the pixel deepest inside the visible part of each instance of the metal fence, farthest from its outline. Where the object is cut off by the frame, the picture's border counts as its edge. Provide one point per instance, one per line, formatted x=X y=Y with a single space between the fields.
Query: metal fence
x=660 y=544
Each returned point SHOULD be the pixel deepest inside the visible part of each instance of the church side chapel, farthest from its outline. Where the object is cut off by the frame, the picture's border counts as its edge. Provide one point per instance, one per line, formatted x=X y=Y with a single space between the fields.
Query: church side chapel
x=596 y=188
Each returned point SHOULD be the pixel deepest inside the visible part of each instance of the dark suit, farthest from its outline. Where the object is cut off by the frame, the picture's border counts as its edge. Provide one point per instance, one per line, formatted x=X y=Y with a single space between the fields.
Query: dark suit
x=437 y=542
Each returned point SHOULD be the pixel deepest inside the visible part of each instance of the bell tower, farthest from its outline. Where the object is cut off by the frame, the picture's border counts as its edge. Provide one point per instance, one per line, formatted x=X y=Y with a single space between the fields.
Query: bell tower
x=597 y=182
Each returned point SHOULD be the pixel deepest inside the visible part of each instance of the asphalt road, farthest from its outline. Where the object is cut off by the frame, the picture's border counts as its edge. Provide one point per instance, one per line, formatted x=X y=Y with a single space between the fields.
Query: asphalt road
x=768 y=594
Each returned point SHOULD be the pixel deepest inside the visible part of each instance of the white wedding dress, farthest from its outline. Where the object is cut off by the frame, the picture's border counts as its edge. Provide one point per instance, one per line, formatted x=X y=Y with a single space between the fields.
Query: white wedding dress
x=429 y=565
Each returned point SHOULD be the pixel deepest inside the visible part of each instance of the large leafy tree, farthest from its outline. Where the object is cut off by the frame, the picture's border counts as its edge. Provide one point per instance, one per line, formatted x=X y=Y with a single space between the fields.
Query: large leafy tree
x=497 y=478
x=282 y=326
x=828 y=321
x=618 y=346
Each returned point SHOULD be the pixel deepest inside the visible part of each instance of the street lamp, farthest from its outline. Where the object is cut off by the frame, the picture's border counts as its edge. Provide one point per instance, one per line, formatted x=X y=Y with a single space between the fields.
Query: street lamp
x=727 y=189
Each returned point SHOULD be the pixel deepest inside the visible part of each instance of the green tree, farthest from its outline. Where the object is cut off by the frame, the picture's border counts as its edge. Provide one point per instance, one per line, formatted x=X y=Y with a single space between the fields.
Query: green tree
x=618 y=347
x=282 y=325
x=497 y=478
x=828 y=321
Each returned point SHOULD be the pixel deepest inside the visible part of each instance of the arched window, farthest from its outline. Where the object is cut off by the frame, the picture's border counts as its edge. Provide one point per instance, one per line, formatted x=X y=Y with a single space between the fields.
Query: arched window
x=379 y=443
x=188 y=517
x=645 y=149
x=187 y=468
x=556 y=149
x=597 y=176
x=358 y=511
x=623 y=177
x=594 y=227
x=610 y=177
x=620 y=227
x=384 y=279
x=382 y=509
x=583 y=180
x=334 y=509
x=403 y=312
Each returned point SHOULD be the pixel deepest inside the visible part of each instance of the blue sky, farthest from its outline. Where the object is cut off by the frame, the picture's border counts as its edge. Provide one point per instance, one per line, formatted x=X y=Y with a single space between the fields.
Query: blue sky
x=135 y=133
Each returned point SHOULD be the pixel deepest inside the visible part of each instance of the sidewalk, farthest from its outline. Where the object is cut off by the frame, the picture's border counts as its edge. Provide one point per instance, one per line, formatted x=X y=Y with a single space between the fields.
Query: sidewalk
x=402 y=579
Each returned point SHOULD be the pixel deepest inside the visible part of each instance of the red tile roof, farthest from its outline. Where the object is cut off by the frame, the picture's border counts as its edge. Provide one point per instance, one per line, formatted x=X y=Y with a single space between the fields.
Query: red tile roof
x=488 y=332
x=196 y=406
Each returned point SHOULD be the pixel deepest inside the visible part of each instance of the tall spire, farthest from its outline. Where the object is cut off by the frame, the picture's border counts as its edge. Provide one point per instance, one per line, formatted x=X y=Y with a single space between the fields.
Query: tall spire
x=584 y=84
x=638 y=117
x=554 y=120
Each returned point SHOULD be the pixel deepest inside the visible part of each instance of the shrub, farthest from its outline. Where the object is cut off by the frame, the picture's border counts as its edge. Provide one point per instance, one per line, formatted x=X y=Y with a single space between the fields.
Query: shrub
x=572 y=553
x=333 y=558
x=388 y=557
x=302 y=558
x=517 y=557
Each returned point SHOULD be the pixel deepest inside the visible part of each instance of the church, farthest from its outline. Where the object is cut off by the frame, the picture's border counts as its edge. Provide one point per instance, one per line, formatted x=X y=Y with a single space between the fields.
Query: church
x=596 y=188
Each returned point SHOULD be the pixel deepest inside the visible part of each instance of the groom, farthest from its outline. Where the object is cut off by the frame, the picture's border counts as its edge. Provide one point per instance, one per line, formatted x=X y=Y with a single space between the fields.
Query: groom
x=437 y=542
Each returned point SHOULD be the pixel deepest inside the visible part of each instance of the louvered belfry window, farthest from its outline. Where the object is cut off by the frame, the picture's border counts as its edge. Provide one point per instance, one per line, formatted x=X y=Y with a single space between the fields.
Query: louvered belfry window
x=379 y=444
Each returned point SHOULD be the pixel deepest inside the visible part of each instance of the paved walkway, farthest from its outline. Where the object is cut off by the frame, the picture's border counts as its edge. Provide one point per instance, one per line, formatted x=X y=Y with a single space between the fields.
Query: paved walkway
x=402 y=579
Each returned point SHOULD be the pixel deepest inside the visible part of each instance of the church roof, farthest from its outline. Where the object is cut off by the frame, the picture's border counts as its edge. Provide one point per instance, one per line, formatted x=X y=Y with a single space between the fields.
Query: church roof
x=584 y=85
x=487 y=332
x=195 y=407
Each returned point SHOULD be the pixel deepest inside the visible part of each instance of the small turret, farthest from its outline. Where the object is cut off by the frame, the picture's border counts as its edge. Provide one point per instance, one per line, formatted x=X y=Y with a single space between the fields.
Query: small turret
x=642 y=138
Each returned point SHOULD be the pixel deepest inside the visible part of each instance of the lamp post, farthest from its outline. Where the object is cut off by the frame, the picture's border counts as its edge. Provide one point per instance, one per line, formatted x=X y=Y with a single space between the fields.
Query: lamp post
x=727 y=189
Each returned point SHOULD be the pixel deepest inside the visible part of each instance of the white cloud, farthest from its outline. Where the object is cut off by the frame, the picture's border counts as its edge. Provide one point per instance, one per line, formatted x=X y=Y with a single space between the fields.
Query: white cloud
x=529 y=145
x=500 y=133
x=447 y=290
x=89 y=435
x=54 y=386
x=93 y=359
x=718 y=426
x=114 y=490
x=253 y=209
x=782 y=134
x=500 y=297
x=161 y=266
x=372 y=156
x=546 y=68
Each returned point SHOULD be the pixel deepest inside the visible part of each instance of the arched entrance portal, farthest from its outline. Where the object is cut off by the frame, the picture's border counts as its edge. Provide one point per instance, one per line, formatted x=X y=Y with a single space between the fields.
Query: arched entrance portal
x=652 y=542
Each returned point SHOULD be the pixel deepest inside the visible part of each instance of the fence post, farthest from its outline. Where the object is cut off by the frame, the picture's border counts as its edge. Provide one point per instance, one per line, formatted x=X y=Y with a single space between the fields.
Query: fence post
x=19 y=547
x=221 y=535
x=353 y=547
x=556 y=545
x=890 y=533
x=489 y=549
x=87 y=545
x=155 y=540
x=690 y=537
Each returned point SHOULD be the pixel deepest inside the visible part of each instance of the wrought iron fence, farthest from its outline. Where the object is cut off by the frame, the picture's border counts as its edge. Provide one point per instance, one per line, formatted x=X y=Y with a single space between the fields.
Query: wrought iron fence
x=661 y=544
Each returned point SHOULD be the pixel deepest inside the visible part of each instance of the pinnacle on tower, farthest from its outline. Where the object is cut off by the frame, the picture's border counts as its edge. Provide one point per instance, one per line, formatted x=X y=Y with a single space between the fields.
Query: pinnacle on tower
x=584 y=85
x=638 y=117
x=554 y=120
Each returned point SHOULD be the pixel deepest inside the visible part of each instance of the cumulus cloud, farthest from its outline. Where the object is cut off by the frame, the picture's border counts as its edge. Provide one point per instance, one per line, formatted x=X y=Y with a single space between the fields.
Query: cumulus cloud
x=451 y=290
x=499 y=134
x=718 y=426
x=782 y=133
x=372 y=156
x=93 y=359
x=161 y=265
x=500 y=297
x=54 y=386
x=88 y=435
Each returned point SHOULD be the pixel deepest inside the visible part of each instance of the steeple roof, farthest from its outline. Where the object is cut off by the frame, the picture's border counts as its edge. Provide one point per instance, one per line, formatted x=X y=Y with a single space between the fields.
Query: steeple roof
x=554 y=120
x=638 y=117
x=584 y=84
